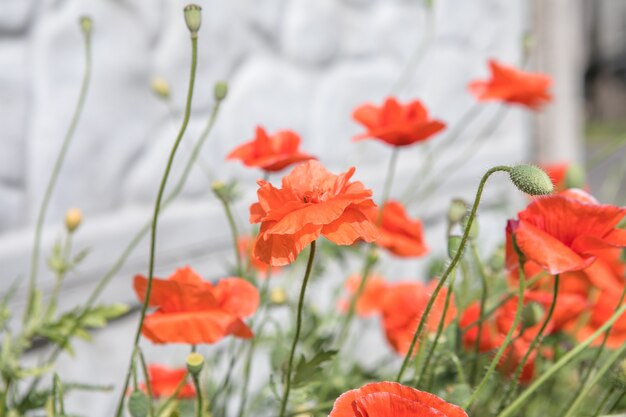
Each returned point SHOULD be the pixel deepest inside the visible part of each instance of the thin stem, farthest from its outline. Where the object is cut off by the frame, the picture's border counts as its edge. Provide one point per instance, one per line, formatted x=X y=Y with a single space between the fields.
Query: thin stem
x=505 y=344
x=43 y=209
x=146 y=378
x=391 y=170
x=58 y=281
x=234 y=232
x=617 y=401
x=481 y=317
x=58 y=386
x=450 y=268
x=536 y=341
x=196 y=384
x=157 y=207
x=172 y=397
x=565 y=359
x=287 y=388
x=603 y=402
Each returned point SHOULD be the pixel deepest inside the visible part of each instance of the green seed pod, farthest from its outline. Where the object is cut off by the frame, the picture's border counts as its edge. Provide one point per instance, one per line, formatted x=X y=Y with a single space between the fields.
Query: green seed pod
x=531 y=180
x=193 y=18
x=575 y=177
x=138 y=404
x=454 y=244
x=220 y=90
x=457 y=210
x=195 y=363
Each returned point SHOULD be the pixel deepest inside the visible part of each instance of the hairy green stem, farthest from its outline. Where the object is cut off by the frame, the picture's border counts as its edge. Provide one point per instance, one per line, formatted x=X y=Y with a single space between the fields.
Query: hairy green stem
x=287 y=387
x=157 y=207
x=481 y=317
x=234 y=232
x=450 y=267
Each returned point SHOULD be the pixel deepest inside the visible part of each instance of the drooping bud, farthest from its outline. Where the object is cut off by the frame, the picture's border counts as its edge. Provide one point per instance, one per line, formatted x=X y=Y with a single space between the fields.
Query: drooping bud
x=531 y=180
x=160 y=87
x=138 y=404
x=195 y=363
x=454 y=244
x=278 y=296
x=457 y=210
x=372 y=257
x=473 y=232
x=532 y=314
x=575 y=177
x=220 y=90
x=73 y=219
x=86 y=24
x=193 y=18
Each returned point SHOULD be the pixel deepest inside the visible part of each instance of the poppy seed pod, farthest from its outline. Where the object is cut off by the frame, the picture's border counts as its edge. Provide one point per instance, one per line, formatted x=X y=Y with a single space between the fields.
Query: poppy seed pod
x=220 y=90
x=531 y=180
x=73 y=219
x=454 y=244
x=193 y=18
x=457 y=210
x=195 y=363
x=86 y=24
x=575 y=177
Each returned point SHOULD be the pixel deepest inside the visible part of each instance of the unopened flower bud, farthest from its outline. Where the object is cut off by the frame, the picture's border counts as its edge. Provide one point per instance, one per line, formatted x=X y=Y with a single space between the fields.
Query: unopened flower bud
x=457 y=210
x=86 y=24
x=160 y=87
x=195 y=362
x=372 y=257
x=531 y=180
x=454 y=244
x=220 y=90
x=73 y=219
x=532 y=314
x=575 y=177
x=473 y=232
x=193 y=18
x=278 y=296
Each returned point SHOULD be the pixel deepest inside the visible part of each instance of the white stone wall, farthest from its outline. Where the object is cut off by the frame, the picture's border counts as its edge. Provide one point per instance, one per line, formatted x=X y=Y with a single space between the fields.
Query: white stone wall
x=298 y=64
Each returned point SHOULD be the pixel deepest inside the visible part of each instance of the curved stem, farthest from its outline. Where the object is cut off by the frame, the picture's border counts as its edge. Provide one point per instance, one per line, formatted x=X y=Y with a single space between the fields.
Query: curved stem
x=481 y=317
x=450 y=268
x=565 y=359
x=287 y=388
x=507 y=340
x=157 y=207
x=43 y=209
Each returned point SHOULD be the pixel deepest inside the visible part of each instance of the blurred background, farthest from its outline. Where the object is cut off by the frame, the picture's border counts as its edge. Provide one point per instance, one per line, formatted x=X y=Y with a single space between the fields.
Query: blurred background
x=290 y=64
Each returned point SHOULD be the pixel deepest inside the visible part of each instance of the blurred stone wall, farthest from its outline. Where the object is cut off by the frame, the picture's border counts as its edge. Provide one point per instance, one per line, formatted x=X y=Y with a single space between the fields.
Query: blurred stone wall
x=297 y=64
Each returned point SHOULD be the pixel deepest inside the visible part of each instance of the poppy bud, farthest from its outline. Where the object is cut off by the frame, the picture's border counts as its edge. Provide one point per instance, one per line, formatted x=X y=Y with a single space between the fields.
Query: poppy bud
x=220 y=90
x=138 y=404
x=454 y=244
x=160 y=87
x=575 y=177
x=278 y=296
x=73 y=218
x=473 y=232
x=531 y=314
x=372 y=257
x=457 y=210
x=195 y=362
x=193 y=18
x=531 y=180
x=86 y=24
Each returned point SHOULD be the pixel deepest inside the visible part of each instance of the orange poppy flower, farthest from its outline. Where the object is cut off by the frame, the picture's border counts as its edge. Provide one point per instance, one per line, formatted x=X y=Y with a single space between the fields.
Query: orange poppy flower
x=164 y=381
x=403 y=305
x=245 y=245
x=390 y=399
x=562 y=233
x=399 y=234
x=270 y=152
x=397 y=124
x=311 y=202
x=193 y=311
x=511 y=85
x=371 y=300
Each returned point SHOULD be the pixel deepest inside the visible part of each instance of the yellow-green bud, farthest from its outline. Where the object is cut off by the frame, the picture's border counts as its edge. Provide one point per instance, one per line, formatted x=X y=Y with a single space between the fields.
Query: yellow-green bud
x=86 y=24
x=195 y=362
x=532 y=314
x=531 y=180
x=193 y=18
x=457 y=210
x=220 y=90
x=575 y=177
x=454 y=244
x=160 y=87
x=278 y=296
x=73 y=219
x=372 y=256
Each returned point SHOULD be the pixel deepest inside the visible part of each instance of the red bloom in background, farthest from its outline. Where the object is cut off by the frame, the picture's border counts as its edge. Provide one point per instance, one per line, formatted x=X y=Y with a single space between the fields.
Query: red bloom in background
x=403 y=305
x=245 y=245
x=511 y=85
x=164 y=382
x=311 y=202
x=562 y=233
x=565 y=176
x=399 y=234
x=270 y=152
x=371 y=300
x=397 y=124
x=390 y=399
x=193 y=311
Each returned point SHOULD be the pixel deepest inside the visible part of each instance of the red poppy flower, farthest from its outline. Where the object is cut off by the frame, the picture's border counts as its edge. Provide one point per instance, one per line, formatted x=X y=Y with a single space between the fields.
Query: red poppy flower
x=399 y=234
x=165 y=381
x=193 y=311
x=270 y=152
x=371 y=300
x=311 y=202
x=397 y=124
x=562 y=233
x=245 y=245
x=511 y=85
x=403 y=305
x=602 y=309
x=390 y=399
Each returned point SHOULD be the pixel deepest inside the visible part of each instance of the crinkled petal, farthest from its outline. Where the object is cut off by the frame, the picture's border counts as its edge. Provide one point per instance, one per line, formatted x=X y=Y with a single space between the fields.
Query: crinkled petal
x=237 y=296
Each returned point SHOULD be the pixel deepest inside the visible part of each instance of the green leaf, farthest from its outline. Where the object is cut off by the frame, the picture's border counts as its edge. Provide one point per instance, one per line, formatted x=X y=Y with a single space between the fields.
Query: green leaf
x=138 y=404
x=306 y=371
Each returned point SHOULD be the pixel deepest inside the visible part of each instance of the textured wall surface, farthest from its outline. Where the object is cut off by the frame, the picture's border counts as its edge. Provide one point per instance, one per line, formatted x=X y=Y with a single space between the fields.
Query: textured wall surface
x=297 y=64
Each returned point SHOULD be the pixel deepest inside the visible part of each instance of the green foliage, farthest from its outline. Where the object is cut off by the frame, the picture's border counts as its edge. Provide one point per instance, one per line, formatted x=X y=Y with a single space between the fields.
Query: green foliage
x=310 y=371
